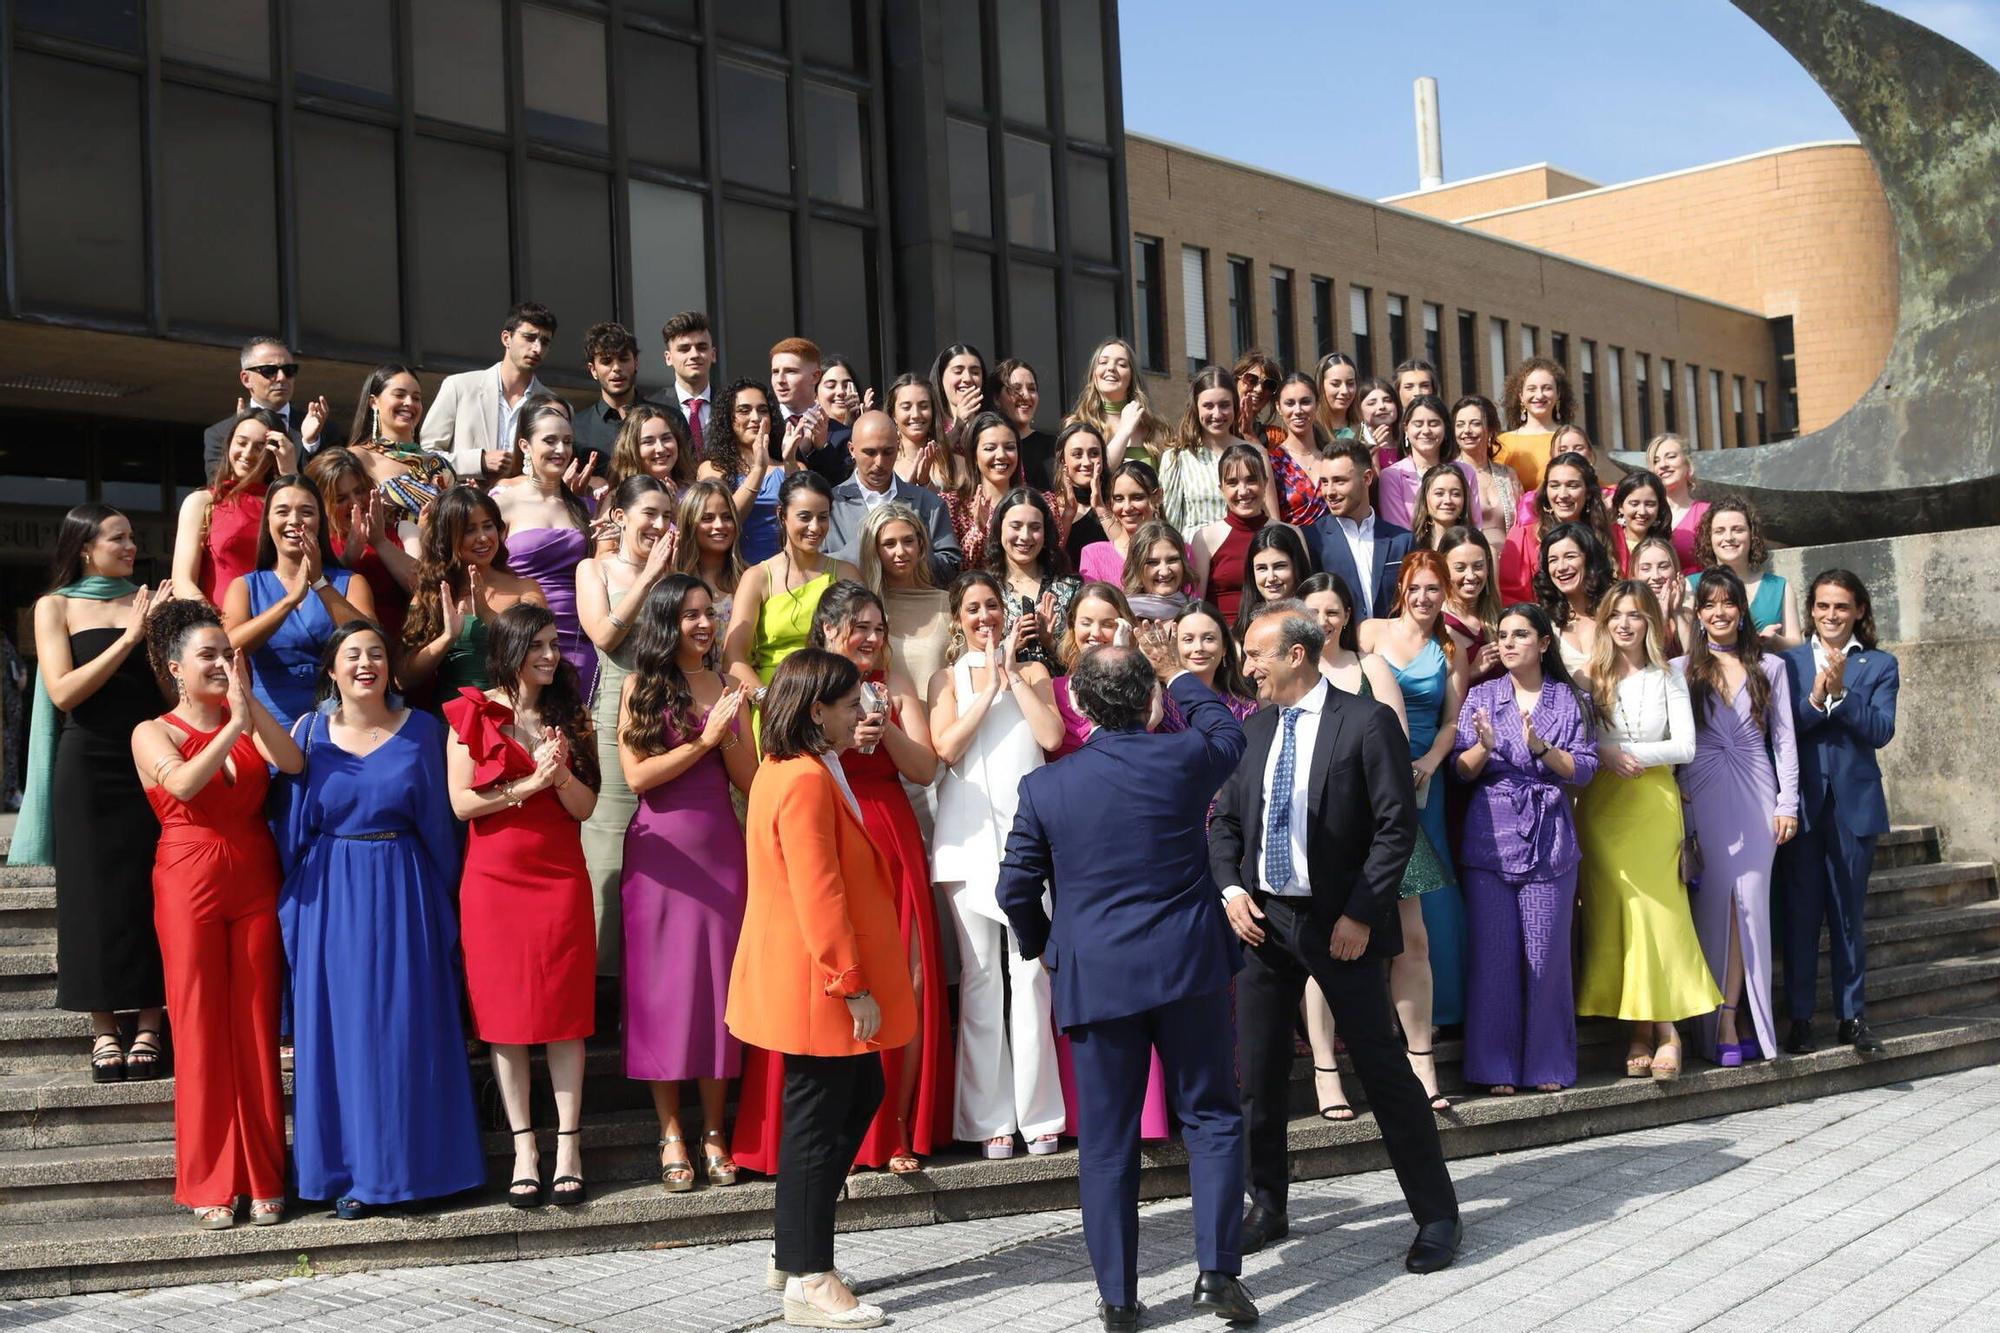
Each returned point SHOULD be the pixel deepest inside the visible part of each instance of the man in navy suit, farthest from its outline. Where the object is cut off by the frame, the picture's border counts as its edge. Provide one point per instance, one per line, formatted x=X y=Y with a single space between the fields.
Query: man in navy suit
x=1844 y=702
x=1139 y=955
x=1356 y=542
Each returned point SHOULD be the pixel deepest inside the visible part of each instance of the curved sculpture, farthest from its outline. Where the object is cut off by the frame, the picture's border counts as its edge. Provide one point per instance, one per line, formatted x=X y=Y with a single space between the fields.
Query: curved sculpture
x=1920 y=451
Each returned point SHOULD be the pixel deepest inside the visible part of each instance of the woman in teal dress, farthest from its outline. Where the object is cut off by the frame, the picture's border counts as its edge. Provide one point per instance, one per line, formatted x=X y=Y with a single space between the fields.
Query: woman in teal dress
x=462 y=583
x=1732 y=536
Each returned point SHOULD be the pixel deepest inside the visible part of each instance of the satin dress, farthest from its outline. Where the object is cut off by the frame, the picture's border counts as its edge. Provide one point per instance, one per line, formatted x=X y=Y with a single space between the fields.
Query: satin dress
x=550 y=556
x=1425 y=683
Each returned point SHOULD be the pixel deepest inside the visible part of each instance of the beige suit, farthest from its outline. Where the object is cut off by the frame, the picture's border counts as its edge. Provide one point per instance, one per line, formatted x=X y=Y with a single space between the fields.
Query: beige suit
x=464 y=420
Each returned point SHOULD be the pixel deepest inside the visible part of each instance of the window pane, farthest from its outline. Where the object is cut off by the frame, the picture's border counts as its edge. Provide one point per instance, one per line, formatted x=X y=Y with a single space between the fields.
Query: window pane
x=972 y=298
x=843 y=296
x=562 y=78
x=76 y=137
x=964 y=55
x=113 y=23
x=1035 y=326
x=569 y=247
x=232 y=35
x=662 y=101
x=681 y=13
x=836 y=139
x=1083 y=70
x=1093 y=317
x=348 y=287
x=129 y=465
x=971 y=178
x=669 y=267
x=758 y=22
x=221 y=261
x=757 y=149
x=1031 y=195
x=460 y=62
x=1023 y=96
x=42 y=462
x=827 y=33
x=757 y=286
x=1090 y=207
x=343 y=50
x=462 y=280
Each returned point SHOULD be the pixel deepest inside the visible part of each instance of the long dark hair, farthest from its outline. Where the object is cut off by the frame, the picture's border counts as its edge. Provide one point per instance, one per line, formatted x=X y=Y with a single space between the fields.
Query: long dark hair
x=1328 y=581
x=1850 y=582
x=1447 y=439
x=838 y=605
x=221 y=481
x=956 y=646
x=1552 y=658
x=1100 y=494
x=532 y=411
x=1704 y=672
x=661 y=703
x=1593 y=512
x=1282 y=537
x=80 y=527
x=267 y=549
x=940 y=400
x=378 y=379
x=718 y=440
x=437 y=561
x=1598 y=576
x=1663 y=521
x=324 y=687
x=561 y=702
x=1052 y=562
x=965 y=478
x=1229 y=677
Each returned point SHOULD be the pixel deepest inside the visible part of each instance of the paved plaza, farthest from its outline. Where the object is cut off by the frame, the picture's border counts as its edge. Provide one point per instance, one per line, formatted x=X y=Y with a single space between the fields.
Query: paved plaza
x=1867 y=1210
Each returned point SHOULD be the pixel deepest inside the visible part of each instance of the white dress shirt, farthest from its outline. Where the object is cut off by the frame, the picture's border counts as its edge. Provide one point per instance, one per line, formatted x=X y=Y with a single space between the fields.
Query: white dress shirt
x=832 y=762
x=688 y=401
x=1822 y=659
x=510 y=412
x=1305 y=734
x=874 y=499
x=1360 y=535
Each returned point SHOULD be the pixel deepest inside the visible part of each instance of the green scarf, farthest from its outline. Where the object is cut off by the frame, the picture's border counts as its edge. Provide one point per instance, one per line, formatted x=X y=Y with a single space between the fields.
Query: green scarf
x=33 y=841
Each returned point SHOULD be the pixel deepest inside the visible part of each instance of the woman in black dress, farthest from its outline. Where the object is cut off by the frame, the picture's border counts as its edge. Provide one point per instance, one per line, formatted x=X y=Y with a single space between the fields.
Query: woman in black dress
x=89 y=636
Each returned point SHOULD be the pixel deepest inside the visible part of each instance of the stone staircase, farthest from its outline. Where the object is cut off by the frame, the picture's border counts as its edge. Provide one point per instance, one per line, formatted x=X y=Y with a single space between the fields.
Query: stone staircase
x=86 y=1170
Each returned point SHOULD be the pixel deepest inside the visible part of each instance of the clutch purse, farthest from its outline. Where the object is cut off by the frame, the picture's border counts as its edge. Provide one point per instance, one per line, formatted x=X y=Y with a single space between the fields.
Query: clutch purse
x=1691 y=861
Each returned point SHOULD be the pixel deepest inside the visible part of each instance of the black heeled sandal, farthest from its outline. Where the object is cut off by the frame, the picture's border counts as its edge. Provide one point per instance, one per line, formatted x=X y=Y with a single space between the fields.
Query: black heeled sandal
x=143 y=1062
x=1439 y=1102
x=527 y=1191
x=563 y=1197
x=1338 y=1112
x=107 y=1063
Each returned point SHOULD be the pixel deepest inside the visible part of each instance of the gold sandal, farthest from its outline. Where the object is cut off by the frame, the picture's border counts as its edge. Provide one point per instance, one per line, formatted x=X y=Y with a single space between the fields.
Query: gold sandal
x=675 y=1177
x=721 y=1166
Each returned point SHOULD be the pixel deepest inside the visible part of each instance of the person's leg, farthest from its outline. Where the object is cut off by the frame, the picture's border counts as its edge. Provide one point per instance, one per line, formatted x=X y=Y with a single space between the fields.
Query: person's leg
x=1193 y=1039
x=715 y=1153
x=1267 y=994
x=675 y=1163
x=1031 y=1043
x=1328 y=1093
x=1110 y=1060
x=510 y=1071
x=828 y=1103
x=1802 y=869
x=910 y=1061
x=1548 y=1037
x=985 y=1076
x=566 y=1079
x=196 y=956
x=1493 y=985
x=1726 y=1022
x=1849 y=859
x=1410 y=990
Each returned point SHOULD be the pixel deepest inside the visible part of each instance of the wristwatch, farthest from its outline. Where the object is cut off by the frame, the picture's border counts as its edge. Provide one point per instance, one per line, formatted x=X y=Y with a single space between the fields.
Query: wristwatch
x=319 y=584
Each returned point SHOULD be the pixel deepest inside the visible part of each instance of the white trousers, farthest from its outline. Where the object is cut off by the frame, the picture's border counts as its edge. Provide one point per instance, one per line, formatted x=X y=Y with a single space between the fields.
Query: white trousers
x=1007 y=1076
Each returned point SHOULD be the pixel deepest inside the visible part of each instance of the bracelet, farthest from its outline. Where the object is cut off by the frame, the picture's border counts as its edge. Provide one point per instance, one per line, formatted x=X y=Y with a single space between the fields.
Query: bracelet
x=513 y=798
x=564 y=784
x=857 y=995
x=613 y=618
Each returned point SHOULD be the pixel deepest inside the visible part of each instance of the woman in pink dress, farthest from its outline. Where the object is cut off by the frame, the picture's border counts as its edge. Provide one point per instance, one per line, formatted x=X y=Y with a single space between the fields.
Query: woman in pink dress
x=548 y=523
x=1673 y=463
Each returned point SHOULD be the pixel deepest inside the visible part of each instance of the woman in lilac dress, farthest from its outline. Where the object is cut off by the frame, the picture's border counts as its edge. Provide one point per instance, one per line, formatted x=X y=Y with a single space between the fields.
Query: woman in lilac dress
x=1741 y=796
x=1523 y=739
x=681 y=728
x=548 y=524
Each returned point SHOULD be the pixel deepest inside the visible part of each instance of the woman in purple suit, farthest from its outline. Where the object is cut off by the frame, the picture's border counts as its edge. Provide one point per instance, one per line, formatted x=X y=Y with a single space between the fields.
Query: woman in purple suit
x=1523 y=740
x=1741 y=797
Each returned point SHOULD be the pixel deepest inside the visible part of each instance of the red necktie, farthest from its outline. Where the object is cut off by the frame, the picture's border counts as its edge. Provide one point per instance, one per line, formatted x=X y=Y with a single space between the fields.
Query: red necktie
x=695 y=405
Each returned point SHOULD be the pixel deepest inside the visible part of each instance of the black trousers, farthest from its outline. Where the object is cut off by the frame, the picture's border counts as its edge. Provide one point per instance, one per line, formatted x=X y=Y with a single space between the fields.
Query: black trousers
x=1268 y=990
x=829 y=1102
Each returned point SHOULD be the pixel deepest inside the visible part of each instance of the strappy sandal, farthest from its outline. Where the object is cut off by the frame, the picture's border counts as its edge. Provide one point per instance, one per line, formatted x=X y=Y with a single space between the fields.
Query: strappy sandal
x=675 y=1177
x=568 y=1191
x=107 y=1063
x=1638 y=1063
x=221 y=1217
x=1338 y=1112
x=903 y=1162
x=143 y=1062
x=721 y=1167
x=1439 y=1102
x=266 y=1212
x=527 y=1191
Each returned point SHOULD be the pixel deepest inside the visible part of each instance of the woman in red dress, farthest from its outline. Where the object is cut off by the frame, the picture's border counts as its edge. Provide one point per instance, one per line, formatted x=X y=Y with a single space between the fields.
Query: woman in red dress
x=215 y=906
x=892 y=742
x=215 y=542
x=522 y=764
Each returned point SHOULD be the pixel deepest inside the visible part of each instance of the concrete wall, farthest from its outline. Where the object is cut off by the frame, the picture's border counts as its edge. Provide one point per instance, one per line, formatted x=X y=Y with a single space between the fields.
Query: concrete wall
x=1935 y=609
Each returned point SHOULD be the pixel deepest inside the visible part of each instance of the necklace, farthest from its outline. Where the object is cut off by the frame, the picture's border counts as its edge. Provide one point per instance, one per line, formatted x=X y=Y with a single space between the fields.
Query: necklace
x=374 y=732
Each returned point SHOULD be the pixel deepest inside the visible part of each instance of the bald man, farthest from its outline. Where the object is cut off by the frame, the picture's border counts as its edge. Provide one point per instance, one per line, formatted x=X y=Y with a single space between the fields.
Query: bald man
x=872 y=450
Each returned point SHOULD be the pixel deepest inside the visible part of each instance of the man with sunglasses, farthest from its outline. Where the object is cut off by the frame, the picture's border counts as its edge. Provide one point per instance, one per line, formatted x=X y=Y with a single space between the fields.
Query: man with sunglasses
x=270 y=379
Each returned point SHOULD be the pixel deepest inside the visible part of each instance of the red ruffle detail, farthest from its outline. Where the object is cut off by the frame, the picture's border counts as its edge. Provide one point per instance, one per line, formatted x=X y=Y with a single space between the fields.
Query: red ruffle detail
x=477 y=721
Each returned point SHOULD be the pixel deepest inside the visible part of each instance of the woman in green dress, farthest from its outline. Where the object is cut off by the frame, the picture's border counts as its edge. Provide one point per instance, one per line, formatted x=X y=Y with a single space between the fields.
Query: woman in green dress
x=462 y=583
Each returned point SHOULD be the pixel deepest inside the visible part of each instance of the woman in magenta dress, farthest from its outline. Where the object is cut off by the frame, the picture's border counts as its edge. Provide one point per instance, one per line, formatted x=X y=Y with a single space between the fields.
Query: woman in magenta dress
x=1673 y=463
x=1222 y=550
x=522 y=768
x=216 y=541
x=1741 y=794
x=683 y=741
x=548 y=523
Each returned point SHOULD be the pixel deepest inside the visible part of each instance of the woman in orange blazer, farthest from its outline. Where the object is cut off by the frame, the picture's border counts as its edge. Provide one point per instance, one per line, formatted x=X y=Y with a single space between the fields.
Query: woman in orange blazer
x=819 y=972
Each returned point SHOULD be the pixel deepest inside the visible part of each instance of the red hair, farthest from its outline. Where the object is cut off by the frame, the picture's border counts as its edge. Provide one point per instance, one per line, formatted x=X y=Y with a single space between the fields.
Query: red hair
x=1426 y=561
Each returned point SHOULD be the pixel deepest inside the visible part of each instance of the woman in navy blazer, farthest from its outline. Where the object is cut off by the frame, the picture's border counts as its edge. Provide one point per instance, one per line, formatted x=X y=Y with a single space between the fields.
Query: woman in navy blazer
x=1844 y=699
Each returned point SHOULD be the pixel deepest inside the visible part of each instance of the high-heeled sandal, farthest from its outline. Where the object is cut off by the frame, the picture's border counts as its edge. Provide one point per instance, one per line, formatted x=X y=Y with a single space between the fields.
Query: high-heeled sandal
x=527 y=1191
x=221 y=1217
x=568 y=1191
x=266 y=1212
x=903 y=1162
x=676 y=1177
x=1666 y=1063
x=1439 y=1102
x=107 y=1063
x=143 y=1062
x=1338 y=1112
x=1728 y=1055
x=721 y=1167
x=1638 y=1063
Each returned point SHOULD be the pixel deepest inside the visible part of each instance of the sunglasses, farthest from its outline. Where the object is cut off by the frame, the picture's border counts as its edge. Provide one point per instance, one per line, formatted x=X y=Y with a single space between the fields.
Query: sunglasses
x=289 y=369
x=1266 y=383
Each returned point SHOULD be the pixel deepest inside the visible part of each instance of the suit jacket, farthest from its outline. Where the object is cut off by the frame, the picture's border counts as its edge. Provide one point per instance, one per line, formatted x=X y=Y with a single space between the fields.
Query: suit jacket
x=1391 y=545
x=463 y=420
x=1837 y=749
x=1363 y=810
x=1138 y=920
x=819 y=922
x=216 y=439
x=850 y=513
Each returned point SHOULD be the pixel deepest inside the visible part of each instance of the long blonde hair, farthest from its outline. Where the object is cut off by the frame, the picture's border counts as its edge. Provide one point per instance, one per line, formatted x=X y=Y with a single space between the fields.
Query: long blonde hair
x=880 y=517
x=1600 y=672
x=1090 y=407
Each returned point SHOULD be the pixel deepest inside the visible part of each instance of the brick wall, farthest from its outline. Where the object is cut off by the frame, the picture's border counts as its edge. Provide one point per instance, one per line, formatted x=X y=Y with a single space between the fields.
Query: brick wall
x=1486 y=194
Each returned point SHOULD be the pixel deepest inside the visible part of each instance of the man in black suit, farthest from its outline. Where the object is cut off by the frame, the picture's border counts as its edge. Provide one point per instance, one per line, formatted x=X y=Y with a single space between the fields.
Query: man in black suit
x=1309 y=842
x=270 y=379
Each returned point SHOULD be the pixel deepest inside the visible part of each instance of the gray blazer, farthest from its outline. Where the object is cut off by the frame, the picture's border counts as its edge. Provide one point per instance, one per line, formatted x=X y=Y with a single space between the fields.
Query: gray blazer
x=462 y=421
x=850 y=513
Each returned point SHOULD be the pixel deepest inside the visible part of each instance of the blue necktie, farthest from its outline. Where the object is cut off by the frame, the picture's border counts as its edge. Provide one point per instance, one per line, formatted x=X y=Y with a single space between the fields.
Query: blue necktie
x=1278 y=812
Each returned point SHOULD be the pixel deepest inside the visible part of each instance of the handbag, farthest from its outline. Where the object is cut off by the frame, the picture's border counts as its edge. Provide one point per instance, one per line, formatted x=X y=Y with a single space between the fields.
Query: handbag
x=1691 y=861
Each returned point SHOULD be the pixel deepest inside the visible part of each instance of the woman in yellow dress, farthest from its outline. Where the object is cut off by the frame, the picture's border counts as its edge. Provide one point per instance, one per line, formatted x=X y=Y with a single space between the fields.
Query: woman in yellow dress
x=776 y=598
x=1642 y=961
x=1538 y=400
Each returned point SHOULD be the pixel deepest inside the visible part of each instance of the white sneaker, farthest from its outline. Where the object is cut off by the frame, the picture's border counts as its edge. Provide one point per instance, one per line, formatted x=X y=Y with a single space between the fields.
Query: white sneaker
x=802 y=1313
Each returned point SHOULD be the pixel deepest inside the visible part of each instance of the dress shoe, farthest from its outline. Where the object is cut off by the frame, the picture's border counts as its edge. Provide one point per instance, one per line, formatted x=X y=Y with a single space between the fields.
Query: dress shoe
x=1119 y=1318
x=1261 y=1226
x=1856 y=1033
x=1798 y=1037
x=1435 y=1246
x=1223 y=1296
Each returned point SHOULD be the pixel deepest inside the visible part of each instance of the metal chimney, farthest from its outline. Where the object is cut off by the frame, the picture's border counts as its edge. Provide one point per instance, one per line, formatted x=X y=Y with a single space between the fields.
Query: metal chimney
x=1430 y=140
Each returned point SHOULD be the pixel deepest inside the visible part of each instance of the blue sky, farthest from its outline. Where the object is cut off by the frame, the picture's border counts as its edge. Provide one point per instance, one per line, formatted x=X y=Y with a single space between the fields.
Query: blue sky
x=1609 y=89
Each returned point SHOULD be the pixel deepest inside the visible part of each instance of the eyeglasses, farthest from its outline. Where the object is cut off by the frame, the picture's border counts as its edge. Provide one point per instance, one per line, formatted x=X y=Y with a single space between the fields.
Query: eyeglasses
x=289 y=369
x=1264 y=382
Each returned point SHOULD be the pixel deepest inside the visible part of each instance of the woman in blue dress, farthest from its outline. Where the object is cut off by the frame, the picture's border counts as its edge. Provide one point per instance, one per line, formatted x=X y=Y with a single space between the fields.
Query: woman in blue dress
x=748 y=458
x=283 y=612
x=1417 y=648
x=1731 y=536
x=383 y=1109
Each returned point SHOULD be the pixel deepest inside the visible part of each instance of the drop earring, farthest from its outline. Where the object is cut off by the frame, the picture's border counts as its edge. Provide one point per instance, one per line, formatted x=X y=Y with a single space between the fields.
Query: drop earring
x=374 y=424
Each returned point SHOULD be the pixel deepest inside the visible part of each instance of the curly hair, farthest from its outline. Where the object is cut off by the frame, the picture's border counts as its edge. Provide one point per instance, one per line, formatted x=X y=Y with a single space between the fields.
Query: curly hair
x=1598 y=574
x=660 y=704
x=1594 y=512
x=719 y=445
x=168 y=626
x=438 y=561
x=561 y=702
x=1517 y=416
x=1704 y=544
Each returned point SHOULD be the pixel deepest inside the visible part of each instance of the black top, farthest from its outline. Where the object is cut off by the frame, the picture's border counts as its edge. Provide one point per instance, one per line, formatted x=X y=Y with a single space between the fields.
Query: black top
x=1038 y=460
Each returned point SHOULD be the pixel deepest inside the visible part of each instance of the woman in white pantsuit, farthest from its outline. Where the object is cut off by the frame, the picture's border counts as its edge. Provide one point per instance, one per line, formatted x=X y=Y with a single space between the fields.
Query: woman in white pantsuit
x=991 y=720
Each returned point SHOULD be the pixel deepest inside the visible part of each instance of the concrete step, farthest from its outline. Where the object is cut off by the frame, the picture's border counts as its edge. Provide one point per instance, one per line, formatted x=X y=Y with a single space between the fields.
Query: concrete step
x=27 y=877
x=28 y=915
x=1929 y=887
x=1921 y=937
x=1907 y=845
x=162 y=1248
